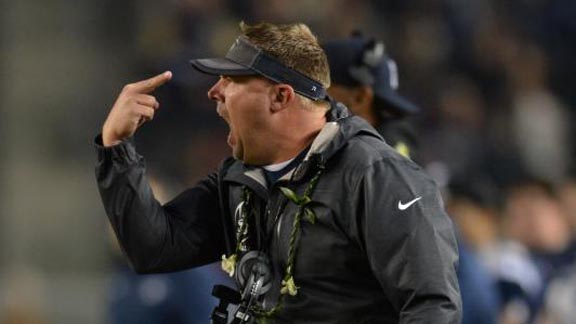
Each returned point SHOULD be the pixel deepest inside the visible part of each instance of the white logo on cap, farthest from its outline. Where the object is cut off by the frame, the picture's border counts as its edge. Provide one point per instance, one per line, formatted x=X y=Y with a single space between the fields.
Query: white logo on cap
x=314 y=88
x=236 y=43
x=373 y=57
x=393 y=69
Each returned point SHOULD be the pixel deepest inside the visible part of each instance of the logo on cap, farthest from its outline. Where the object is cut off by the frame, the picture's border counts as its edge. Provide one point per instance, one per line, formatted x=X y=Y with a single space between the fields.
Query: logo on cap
x=393 y=71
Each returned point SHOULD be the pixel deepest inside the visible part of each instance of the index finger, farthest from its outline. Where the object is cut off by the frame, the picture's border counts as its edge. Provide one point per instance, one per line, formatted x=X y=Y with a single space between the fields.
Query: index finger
x=149 y=85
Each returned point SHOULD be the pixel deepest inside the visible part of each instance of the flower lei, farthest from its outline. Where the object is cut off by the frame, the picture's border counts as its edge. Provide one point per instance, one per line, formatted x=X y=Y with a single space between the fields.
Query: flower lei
x=289 y=286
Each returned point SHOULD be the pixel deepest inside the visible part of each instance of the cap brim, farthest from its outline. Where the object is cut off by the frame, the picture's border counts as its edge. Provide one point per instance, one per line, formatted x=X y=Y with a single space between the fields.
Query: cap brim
x=397 y=103
x=221 y=66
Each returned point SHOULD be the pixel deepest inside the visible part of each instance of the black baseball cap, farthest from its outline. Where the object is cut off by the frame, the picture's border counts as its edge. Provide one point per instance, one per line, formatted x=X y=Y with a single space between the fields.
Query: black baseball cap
x=357 y=61
x=244 y=58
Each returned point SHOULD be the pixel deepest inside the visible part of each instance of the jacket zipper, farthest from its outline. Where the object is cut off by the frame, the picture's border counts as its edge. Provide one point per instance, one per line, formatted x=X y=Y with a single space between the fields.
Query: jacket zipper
x=275 y=212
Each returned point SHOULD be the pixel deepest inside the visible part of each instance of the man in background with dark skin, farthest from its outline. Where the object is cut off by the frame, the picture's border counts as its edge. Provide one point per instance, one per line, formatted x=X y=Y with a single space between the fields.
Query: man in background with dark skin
x=317 y=219
x=365 y=79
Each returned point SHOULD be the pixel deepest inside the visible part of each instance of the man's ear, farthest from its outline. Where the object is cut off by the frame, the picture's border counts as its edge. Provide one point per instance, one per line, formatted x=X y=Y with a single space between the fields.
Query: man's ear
x=283 y=94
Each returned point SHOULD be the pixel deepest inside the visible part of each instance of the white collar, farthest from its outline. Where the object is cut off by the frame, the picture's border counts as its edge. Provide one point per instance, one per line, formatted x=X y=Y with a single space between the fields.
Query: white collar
x=277 y=166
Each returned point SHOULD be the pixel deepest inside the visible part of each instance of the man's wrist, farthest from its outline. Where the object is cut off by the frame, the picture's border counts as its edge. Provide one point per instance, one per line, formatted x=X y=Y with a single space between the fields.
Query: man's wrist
x=108 y=140
x=123 y=152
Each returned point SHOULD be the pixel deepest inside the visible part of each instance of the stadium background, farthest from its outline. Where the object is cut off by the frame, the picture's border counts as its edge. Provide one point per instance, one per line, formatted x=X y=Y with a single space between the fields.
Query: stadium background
x=494 y=78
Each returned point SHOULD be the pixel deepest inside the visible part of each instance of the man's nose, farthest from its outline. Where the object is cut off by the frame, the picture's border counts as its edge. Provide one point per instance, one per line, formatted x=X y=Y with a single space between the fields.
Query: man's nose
x=215 y=93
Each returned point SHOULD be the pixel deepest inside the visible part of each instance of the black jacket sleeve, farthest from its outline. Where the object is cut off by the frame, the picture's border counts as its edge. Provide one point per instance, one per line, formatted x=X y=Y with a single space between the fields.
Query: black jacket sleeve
x=410 y=242
x=184 y=233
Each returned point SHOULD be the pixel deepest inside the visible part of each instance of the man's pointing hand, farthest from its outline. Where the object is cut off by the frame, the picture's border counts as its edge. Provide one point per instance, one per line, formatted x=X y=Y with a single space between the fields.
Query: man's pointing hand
x=133 y=107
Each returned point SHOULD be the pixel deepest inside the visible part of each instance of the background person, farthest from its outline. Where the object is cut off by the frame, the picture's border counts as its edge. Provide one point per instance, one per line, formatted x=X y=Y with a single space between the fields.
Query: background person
x=366 y=80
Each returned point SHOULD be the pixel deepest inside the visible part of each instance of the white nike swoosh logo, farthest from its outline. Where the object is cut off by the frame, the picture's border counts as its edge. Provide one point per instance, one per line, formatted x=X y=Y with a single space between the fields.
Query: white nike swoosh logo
x=402 y=206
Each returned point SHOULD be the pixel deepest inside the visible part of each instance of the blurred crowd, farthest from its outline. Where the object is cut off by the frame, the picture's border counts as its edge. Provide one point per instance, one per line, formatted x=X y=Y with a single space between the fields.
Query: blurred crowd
x=494 y=81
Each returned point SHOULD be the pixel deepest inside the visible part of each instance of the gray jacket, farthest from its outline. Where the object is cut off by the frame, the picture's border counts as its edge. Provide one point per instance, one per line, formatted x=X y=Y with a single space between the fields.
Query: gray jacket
x=382 y=249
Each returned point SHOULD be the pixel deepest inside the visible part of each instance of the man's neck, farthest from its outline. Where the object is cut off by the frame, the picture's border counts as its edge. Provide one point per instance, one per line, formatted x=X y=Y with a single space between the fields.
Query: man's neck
x=273 y=172
x=292 y=129
x=277 y=166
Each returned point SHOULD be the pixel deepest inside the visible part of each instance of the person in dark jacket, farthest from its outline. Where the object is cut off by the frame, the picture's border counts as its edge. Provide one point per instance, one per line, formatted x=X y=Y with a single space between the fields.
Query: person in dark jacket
x=365 y=78
x=315 y=216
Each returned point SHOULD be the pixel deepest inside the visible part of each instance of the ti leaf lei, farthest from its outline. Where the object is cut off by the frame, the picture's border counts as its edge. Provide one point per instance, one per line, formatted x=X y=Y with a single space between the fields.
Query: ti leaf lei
x=305 y=211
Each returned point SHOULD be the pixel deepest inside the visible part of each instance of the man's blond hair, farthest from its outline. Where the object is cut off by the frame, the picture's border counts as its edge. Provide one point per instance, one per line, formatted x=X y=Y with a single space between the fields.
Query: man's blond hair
x=293 y=45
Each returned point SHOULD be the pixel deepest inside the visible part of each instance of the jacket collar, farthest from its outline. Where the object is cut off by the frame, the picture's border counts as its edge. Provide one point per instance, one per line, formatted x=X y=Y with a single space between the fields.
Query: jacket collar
x=338 y=130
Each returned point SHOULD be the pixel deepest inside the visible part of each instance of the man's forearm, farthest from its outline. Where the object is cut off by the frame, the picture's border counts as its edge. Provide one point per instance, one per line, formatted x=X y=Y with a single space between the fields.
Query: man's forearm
x=136 y=217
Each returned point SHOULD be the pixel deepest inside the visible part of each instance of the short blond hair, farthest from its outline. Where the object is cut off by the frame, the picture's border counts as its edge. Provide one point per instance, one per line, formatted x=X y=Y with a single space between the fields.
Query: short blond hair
x=293 y=45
